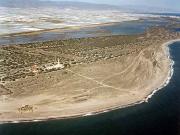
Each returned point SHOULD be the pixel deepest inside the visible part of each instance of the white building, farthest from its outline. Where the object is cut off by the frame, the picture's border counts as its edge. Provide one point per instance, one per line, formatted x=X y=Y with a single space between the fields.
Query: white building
x=57 y=66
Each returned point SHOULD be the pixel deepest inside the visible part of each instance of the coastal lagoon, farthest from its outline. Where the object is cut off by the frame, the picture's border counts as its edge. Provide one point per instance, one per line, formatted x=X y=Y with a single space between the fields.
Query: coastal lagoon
x=121 y=28
x=177 y=29
x=160 y=116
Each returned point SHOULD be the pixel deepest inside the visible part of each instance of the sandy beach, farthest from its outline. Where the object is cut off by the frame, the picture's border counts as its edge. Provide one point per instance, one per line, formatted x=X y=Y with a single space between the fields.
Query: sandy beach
x=101 y=77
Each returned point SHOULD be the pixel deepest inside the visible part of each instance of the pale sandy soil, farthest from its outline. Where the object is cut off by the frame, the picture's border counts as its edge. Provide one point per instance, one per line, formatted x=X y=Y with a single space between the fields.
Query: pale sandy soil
x=88 y=88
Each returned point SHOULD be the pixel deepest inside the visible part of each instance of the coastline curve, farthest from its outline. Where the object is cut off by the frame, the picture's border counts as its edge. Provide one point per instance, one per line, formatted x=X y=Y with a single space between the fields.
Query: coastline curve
x=146 y=99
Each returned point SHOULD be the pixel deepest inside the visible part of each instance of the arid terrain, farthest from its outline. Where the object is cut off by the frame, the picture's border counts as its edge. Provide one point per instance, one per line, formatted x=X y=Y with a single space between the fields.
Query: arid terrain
x=74 y=77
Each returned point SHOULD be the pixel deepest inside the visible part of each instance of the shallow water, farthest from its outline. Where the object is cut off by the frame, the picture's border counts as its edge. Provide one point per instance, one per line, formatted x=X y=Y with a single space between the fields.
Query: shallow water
x=160 y=116
x=133 y=27
x=177 y=29
x=123 y=28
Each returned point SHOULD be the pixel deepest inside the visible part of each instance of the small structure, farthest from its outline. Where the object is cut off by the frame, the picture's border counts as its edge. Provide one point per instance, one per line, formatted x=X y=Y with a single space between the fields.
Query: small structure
x=34 y=69
x=57 y=66
x=26 y=108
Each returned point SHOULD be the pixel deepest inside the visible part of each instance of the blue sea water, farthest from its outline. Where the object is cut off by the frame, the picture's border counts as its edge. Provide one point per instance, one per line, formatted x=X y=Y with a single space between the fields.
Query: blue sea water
x=177 y=29
x=160 y=116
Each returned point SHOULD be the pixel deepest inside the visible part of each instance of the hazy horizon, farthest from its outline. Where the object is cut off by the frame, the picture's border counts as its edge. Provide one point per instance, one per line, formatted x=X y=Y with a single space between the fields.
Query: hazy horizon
x=163 y=4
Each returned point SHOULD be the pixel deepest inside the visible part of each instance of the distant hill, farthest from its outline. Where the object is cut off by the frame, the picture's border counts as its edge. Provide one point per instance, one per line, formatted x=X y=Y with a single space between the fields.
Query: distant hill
x=20 y=3
x=81 y=5
x=147 y=9
x=62 y=4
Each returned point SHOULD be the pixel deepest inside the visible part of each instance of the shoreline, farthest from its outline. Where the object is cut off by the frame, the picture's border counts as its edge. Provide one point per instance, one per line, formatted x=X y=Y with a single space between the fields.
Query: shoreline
x=64 y=29
x=171 y=70
x=165 y=47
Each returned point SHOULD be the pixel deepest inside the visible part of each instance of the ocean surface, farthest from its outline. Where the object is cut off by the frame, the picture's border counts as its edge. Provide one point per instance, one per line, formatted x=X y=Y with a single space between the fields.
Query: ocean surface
x=177 y=29
x=122 y=28
x=160 y=116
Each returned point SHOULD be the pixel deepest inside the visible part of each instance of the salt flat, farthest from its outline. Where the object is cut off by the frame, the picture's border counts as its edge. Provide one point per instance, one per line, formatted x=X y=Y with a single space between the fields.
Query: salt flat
x=17 y=20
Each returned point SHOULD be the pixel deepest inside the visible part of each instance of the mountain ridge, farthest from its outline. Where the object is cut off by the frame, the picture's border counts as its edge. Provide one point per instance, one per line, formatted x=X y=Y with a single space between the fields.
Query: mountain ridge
x=62 y=4
x=82 y=5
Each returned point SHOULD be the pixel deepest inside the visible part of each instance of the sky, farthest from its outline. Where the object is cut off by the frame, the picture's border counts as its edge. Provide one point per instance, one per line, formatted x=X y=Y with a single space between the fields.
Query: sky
x=171 y=4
